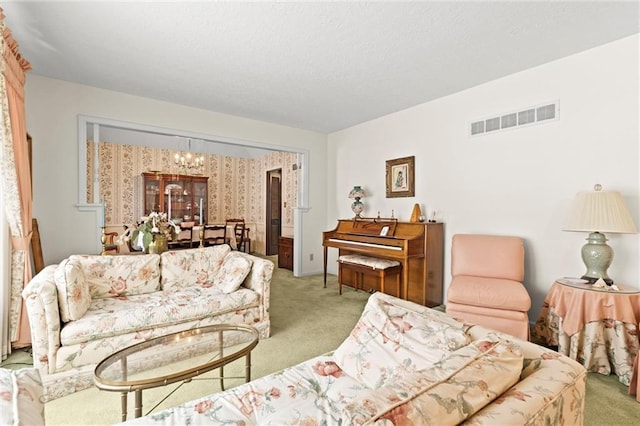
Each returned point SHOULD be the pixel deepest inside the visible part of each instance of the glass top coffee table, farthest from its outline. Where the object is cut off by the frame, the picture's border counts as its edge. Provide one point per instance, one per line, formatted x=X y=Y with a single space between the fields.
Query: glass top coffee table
x=205 y=348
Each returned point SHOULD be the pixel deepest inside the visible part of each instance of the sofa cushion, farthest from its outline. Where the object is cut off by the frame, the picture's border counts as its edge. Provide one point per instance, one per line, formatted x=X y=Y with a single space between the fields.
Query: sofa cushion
x=234 y=269
x=74 y=297
x=494 y=293
x=117 y=316
x=21 y=397
x=199 y=266
x=391 y=340
x=116 y=276
x=448 y=393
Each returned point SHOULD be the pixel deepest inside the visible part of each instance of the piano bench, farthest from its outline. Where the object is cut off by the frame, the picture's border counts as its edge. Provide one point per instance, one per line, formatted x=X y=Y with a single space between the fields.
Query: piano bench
x=367 y=265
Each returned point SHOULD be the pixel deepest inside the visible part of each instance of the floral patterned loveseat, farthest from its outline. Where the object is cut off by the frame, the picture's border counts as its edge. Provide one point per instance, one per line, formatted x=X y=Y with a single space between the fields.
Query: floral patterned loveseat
x=21 y=397
x=405 y=364
x=88 y=307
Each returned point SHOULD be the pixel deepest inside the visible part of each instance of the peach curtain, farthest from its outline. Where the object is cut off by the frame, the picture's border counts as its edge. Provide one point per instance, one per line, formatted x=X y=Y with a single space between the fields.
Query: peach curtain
x=16 y=175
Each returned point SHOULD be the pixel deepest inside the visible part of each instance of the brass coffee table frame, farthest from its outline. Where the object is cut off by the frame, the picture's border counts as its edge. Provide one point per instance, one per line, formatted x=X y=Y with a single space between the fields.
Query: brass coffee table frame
x=125 y=386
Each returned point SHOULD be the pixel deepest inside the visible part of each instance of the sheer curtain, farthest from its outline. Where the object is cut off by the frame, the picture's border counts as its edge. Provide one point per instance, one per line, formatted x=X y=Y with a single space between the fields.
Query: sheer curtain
x=16 y=187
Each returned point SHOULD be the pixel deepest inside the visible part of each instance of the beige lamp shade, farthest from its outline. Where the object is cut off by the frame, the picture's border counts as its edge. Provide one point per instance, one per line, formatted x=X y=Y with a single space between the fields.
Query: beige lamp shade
x=601 y=211
x=597 y=212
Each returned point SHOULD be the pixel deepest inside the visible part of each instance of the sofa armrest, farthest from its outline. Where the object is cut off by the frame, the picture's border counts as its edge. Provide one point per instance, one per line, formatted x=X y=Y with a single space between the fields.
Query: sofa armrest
x=259 y=280
x=41 y=299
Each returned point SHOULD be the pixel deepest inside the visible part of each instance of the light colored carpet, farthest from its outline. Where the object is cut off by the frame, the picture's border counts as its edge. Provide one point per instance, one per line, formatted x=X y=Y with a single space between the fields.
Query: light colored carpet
x=307 y=320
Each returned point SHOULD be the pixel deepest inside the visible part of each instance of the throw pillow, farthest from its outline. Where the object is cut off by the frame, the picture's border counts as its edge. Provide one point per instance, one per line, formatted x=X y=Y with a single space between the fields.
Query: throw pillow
x=186 y=268
x=74 y=297
x=235 y=268
x=394 y=338
x=120 y=276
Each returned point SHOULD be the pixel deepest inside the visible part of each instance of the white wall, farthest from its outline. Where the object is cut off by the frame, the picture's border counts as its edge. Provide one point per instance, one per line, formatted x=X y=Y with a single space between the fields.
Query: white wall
x=52 y=109
x=518 y=182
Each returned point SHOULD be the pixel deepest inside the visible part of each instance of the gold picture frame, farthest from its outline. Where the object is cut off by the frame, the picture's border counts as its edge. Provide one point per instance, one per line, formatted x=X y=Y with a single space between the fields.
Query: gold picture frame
x=400 y=177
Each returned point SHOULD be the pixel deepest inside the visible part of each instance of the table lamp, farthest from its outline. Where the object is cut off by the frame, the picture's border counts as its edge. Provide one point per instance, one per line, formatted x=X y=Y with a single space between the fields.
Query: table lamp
x=357 y=207
x=596 y=212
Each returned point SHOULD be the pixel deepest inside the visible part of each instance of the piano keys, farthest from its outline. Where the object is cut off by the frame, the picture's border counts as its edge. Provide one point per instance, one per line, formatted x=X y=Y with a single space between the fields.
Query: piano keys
x=417 y=246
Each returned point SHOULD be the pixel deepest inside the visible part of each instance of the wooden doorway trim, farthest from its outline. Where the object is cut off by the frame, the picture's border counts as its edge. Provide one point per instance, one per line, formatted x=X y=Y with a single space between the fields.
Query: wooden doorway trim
x=274 y=211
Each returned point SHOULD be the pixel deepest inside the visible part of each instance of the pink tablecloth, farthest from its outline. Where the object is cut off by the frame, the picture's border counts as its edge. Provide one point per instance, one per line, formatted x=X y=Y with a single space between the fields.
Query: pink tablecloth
x=635 y=379
x=580 y=305
x=598 y=328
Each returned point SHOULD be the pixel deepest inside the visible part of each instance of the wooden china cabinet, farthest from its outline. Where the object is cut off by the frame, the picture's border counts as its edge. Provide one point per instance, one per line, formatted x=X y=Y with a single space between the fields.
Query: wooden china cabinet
x=182 y=197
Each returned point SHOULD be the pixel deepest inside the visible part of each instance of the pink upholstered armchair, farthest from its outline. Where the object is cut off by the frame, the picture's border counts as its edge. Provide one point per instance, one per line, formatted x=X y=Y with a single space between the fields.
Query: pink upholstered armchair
x=486 y=286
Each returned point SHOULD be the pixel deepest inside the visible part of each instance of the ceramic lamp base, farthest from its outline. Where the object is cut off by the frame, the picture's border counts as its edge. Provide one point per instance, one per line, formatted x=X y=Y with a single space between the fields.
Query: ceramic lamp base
x=357 y=207
x=597 y=257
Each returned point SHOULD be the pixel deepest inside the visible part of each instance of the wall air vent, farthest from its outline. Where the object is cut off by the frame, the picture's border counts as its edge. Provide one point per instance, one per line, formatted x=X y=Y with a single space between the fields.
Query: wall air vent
x=511 y=120
x=492 y=124
x=526 y=117
x=508 y=120
x=546 y=112
x=477 y=127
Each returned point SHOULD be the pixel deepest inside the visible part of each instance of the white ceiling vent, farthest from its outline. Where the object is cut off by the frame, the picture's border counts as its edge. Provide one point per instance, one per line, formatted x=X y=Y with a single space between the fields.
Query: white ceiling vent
x=543 y=113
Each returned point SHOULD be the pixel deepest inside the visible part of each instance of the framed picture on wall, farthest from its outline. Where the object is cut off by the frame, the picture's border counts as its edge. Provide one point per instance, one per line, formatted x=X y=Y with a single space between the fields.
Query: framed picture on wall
x=400 y=177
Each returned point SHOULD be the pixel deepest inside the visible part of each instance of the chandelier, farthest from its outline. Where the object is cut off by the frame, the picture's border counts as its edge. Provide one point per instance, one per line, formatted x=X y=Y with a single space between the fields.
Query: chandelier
x=188 y=163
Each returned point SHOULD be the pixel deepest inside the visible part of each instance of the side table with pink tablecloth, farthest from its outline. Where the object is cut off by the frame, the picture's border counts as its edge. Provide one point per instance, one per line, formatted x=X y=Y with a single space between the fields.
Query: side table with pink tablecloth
x=596 y=327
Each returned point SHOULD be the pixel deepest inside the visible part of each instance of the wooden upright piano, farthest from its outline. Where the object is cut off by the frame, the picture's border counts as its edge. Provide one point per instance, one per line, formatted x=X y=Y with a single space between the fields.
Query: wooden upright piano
x=418 y=246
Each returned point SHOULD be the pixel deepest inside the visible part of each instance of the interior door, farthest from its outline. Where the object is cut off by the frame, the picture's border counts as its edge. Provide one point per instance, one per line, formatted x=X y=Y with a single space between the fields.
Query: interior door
x=274 y=210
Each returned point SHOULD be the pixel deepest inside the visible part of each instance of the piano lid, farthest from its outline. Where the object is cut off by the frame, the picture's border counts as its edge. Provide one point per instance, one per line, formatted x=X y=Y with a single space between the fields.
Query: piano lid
x=377 y=230
x=369 y=226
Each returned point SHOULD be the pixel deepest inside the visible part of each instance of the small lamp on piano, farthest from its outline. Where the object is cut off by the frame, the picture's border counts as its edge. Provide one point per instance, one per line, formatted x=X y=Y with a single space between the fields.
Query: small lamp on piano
x=596 y=212
x=357 y=207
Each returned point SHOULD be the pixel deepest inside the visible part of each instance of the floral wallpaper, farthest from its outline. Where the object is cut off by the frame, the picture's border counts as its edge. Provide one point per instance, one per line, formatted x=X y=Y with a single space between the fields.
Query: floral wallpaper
x=236 y=186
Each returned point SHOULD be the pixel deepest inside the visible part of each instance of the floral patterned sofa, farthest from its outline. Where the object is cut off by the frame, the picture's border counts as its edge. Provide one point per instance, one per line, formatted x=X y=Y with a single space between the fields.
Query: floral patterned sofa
x=21 y=397
x=405 y=364
x=88 y=307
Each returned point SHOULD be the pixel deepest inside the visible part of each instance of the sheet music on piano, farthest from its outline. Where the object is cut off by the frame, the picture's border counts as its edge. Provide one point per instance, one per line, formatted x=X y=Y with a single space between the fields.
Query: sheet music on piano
x=418 y=246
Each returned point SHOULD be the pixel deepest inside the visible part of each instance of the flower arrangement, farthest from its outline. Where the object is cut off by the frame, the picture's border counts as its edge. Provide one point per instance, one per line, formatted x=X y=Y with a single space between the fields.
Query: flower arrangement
x=151 y=226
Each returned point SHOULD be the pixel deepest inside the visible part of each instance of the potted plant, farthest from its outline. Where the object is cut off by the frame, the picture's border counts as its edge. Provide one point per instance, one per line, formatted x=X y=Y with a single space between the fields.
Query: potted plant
x=154 y=231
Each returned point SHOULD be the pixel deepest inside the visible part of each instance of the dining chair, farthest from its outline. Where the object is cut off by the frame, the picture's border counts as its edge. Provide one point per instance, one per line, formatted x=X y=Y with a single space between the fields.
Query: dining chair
x=110 y=246
x=238 y=226
x=246 y=241
x=185 y=236
x=214 y=235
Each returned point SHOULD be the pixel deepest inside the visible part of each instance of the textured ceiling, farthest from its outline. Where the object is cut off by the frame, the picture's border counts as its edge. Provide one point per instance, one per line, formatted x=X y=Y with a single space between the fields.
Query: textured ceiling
x=321 y=66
